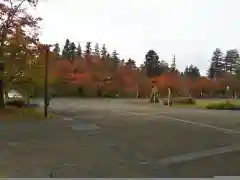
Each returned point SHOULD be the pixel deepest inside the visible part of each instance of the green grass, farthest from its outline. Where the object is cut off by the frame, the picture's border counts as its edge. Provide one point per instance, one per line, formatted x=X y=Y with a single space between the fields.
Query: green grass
x=202 y=103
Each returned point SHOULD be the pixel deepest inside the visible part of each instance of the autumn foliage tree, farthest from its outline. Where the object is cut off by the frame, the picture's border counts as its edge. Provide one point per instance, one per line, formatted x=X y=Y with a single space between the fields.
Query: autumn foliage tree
x=168 y=80
x=24 y=65
x=99 y=72
x=13 y=15
x=22 y=60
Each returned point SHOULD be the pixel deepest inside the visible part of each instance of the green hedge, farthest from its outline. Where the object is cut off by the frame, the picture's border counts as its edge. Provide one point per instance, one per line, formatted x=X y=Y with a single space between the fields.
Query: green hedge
x=17 y=103
x=223 y=106
x=181 y=101
x=110 y=95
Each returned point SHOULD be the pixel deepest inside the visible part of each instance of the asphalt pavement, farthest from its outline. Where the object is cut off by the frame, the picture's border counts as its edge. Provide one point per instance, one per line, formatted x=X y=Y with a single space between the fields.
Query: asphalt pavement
x=122 y=138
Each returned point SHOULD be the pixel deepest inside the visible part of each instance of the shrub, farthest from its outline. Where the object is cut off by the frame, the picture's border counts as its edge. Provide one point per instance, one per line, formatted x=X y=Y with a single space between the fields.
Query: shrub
x=181 y=100
x=110 y=94
x=223 y=106
x=17 y=103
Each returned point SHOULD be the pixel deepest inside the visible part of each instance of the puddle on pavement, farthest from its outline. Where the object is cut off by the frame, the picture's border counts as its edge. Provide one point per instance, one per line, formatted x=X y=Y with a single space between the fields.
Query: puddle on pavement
x=143 y=162
x=112 y=145
x=68 y=119
x=13 y=144
x=89 y=117
x=84 y=127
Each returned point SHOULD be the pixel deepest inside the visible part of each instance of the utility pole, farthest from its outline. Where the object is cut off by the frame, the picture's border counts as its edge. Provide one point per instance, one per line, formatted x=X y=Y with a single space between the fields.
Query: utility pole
x=1 y=83
x=2 y=68
x=46 y=98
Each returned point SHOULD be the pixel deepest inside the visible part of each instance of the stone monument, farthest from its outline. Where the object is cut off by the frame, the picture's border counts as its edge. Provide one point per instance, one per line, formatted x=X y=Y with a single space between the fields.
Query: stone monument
x=169 y=97
x=154 y=97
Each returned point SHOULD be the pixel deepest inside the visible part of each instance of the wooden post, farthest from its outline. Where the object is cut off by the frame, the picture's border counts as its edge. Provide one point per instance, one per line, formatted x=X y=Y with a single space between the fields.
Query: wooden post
x=2 y=104
x=46 y=98
x=169 y=97
x=137 y=91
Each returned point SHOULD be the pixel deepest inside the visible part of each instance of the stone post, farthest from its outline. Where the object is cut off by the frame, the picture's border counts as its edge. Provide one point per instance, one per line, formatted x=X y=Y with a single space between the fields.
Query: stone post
x=169 y=97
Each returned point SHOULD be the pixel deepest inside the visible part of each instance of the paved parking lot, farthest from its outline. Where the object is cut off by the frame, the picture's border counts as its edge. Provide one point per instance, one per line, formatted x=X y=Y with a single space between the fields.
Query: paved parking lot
x=123 y=138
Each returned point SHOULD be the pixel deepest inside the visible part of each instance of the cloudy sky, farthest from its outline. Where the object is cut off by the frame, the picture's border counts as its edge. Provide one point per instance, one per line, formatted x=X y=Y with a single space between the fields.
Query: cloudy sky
x=191 y=29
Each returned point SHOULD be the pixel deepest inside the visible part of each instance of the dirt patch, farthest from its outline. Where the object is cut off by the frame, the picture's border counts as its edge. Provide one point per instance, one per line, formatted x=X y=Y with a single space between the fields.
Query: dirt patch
x=15 y=114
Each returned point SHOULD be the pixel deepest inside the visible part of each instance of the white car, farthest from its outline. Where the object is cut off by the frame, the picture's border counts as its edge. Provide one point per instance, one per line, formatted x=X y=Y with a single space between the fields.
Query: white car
x=13 y=96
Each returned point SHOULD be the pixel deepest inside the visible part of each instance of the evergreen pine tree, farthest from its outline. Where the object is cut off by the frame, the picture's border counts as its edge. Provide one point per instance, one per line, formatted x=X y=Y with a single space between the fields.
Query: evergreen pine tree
x=57 y=49
x=192 y=72
x=66 y=50
x=88 y=49
x=72 y=51
x=115 y=57
x=152 y=63
x=230 y=60
x=173 y=65
x=131 y=63
x=96 y=49
x=79 y=51
x=104 y=52
x=217 y=65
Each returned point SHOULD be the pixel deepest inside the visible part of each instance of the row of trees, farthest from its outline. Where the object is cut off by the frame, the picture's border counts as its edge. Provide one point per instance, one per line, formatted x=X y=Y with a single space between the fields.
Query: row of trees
x=71 y=52
x=220 y=64
x=95 y=74
x=95 y=71
x=152 y=63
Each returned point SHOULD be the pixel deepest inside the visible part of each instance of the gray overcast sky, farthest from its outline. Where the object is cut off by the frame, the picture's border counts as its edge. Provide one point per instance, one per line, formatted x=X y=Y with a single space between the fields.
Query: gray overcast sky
x=191 y=29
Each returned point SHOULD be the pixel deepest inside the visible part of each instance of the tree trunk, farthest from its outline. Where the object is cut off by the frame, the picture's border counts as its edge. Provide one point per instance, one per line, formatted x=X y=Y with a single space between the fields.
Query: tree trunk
x=2 y=104
x=28 y=98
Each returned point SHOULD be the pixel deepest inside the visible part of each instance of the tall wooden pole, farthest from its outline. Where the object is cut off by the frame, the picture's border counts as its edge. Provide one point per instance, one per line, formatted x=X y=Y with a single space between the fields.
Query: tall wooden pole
x=46 y=100
x=2 y=67
x=2 y=105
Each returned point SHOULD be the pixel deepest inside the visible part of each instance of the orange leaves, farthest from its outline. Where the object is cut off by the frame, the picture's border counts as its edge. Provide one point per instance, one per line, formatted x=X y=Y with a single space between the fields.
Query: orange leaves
x=97 y=74
x=178 y=83
x=127 y=78
x=201 y=85
x=205 y=84
x=80 y=78
x=94 y=73
x=169 y=79
x=15 y=13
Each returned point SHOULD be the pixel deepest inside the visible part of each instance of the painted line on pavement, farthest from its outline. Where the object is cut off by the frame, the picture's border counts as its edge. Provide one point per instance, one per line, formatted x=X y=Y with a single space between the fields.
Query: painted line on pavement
x=197 y=155
x=224 y=130
x=228 y=131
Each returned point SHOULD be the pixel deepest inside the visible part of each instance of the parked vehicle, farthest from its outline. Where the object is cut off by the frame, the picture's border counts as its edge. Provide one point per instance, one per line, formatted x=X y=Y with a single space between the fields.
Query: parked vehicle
x=14 y=98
